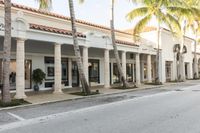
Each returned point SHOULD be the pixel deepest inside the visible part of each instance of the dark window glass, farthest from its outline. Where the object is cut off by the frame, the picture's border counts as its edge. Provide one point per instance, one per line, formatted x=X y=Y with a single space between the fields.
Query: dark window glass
x=129 y=72
x=49 y=70
x=116 y=75
x=93 y=67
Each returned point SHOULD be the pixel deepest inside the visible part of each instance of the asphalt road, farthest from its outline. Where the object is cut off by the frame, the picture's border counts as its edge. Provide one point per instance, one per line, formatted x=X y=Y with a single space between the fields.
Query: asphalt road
x=173 y=109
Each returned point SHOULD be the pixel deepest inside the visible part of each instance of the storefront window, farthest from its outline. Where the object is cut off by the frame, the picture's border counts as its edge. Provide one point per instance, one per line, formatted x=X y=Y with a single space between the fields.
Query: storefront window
x=145 y=70
x=168 y=70
x=93 y=67
x=49 y=70
x=129 y=72
x=12 y=76
x=116 y=75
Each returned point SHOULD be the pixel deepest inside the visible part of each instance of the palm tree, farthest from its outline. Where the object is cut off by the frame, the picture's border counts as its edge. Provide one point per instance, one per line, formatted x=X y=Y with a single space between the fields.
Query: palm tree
x=122 y=75
x=6 y=53
x=84 y=83
x=193 y=22
x=196 y=31
x=44 y=4
x=187 y=12
x=154 y=9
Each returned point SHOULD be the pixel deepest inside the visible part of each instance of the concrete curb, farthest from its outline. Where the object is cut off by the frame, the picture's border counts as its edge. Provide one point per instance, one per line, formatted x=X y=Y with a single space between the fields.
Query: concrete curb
x=86 y=97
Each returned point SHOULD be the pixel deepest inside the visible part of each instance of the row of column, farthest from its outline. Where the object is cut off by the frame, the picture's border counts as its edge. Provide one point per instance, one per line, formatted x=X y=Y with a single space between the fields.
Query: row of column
x=137 y=61
x=20 y=58
x=20 y=74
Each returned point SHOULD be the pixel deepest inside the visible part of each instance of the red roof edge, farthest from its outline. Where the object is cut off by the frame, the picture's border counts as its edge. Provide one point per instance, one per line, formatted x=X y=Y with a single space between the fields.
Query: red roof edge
x=61 y=16
x=54 y=30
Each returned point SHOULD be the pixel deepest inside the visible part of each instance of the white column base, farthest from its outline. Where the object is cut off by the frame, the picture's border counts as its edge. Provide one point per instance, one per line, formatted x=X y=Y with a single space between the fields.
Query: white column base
x=106 y=69
x=57 y=71
x=137 y=58
x=20 y=76
x=22 y=96
x=124 y=63
x=85 y=62
x=149 y=78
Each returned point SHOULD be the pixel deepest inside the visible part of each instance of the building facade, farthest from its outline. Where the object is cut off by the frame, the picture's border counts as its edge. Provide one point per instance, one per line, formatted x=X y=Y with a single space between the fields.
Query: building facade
x=44 y=40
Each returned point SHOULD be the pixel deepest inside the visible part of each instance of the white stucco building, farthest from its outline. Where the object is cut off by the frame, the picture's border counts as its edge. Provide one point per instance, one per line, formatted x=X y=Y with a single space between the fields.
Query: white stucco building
x=43 y=40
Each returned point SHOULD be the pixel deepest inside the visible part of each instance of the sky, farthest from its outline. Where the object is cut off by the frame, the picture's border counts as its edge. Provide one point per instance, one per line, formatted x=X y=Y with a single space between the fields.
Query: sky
x=95 y=11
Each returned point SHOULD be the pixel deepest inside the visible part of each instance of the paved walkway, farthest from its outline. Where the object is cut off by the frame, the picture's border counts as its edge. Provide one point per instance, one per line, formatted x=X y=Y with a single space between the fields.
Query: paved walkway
x=49 y=96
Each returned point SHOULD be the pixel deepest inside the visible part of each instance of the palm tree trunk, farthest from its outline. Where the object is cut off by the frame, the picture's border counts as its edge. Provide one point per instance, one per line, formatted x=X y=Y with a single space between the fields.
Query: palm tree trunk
x=6 y=53
x=195 y=58
x=79 y=63
x=157 y=79
x=181 y=60
x=125 y=83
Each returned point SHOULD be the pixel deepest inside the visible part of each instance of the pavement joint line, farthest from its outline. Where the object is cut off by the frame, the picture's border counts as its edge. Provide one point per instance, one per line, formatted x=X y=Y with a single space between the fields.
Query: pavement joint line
x=37 y=120
x=16 y=116
x=92 y=96
x=65 y=114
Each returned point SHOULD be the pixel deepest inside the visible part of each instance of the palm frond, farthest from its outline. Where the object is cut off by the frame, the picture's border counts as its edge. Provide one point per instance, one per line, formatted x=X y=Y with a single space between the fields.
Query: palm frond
x=141 y=24
x=45 y=4
x=138 y=12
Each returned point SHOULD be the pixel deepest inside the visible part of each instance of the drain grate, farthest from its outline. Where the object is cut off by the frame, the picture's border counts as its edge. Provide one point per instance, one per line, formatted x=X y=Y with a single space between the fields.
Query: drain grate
x=196 y=90
x=179 y=90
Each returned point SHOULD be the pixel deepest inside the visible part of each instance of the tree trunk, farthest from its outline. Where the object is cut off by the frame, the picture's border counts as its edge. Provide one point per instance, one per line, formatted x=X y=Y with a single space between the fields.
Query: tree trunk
x=79 y=63
x=181 y=59
x=122 y=76
x=196 y=73
x=6 y=53
x=157 y=78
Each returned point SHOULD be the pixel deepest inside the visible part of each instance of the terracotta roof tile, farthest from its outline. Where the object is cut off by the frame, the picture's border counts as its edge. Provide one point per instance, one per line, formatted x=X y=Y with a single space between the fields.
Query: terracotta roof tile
x=54 y=30
x=67 y=32
x=126 y=43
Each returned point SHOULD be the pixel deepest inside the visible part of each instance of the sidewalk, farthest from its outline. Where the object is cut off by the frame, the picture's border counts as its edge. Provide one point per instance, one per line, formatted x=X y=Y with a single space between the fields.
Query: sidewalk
x=45 y=97
x=49 y=96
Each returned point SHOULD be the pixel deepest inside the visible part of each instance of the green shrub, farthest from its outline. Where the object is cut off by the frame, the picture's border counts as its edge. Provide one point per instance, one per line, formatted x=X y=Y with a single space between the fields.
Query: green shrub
x=38 y=76
x=14 y=102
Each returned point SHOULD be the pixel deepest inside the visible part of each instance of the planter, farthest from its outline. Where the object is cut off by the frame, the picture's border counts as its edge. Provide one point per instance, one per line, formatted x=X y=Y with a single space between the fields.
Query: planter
x=36 y=87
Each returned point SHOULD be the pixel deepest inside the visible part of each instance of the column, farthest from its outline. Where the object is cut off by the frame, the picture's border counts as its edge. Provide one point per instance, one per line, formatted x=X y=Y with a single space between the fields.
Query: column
x=142 y=70
x=162 y=69
x=137 y=60
x=106 y=69
x=174 y=72
x=190 y=71
x=124 y=63
x=57 y=71
x=183 y=70
x=20 y=78
x=196 y=68
x=149 y=78
x=133 y=71
x=111 y=71
x=70 y=72
x=85 y=62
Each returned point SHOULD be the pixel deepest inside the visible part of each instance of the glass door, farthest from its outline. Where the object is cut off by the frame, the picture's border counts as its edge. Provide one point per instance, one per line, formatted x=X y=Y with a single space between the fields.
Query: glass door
x=129 y=72
x=94 y=71
x=116 y=75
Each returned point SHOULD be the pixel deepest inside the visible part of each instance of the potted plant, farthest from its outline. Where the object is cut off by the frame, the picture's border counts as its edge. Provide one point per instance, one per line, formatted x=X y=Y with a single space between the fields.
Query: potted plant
x=38 y=76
